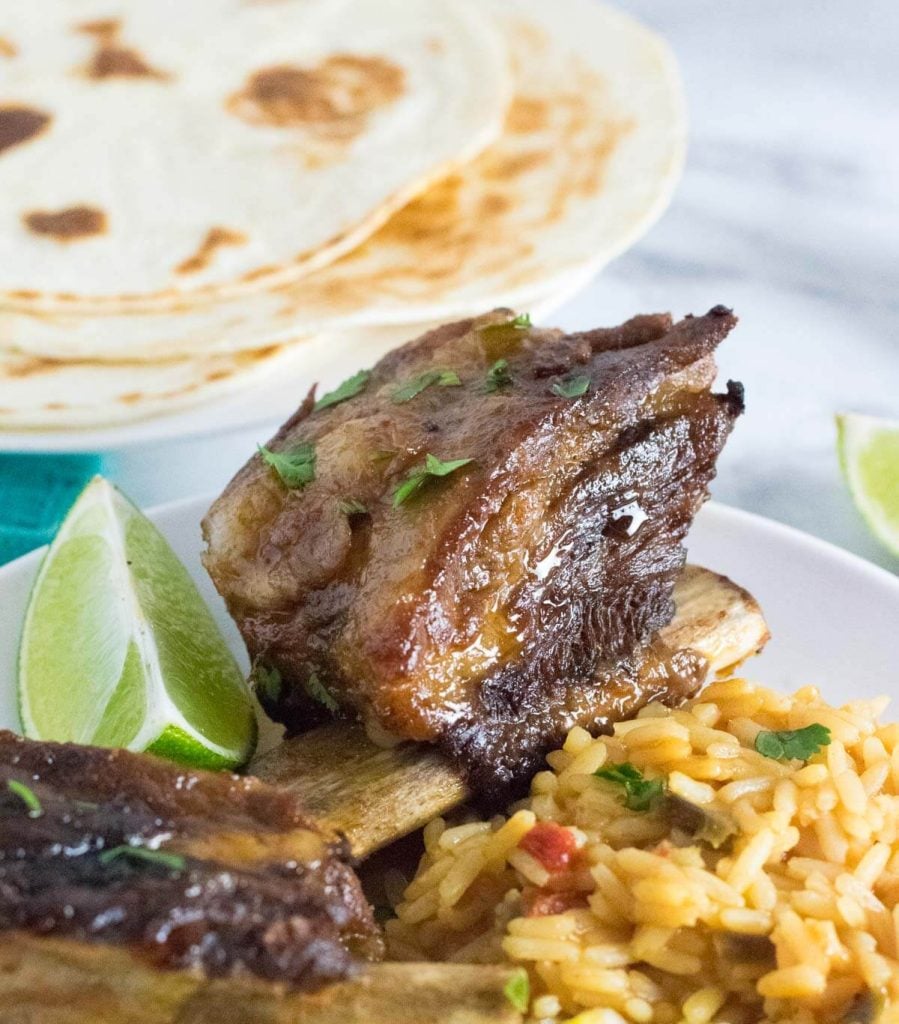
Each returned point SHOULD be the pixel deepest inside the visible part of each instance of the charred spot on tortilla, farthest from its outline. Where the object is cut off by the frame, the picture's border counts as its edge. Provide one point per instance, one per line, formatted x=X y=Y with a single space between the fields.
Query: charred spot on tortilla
x=435 y=214
x=214 y=240
x=7 y=47
x=112 y=59
x=260 y=272
x=493 y=204
x=526 y=115
x=121 y=62
x=337 y=96
x=101 y=28
x=18 y=124
x=28 y=366
x=593 y=180
x=218 y=375
x=504 y=168
x=68 y=225
x=437 y=238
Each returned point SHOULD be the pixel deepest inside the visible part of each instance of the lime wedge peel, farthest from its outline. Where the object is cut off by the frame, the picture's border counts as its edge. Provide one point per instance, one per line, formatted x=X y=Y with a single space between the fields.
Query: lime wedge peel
x=118 y=648
x=869 y=455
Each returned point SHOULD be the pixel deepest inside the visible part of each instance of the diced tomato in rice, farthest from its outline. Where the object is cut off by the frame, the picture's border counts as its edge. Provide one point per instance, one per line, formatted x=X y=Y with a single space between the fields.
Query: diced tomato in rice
x=551 y=845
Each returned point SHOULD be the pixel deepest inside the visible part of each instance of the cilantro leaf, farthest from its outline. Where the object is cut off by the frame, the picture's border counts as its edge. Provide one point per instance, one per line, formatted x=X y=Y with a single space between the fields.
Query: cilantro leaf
x=295 y=467
x=348 y=389
x=498 y=376
x=442 y=378
x=793 y=744
x=639 y=792
x=319 y=692
x=432 y=468
x=27 y=796
x=171 y=861
x=518 y=990
x=267 y=683
x=522 y=322
x=572 y=387
x=352 y=507
x=408 y=487
x=435 y=467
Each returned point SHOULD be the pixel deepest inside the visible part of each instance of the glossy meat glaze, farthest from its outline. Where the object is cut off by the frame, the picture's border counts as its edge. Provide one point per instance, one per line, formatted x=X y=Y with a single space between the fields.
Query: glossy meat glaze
x=224 y=876
x=517 y=595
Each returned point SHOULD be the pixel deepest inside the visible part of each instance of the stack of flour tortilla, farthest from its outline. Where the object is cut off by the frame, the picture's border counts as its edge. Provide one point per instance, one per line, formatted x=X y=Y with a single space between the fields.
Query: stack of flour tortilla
x=194 y=197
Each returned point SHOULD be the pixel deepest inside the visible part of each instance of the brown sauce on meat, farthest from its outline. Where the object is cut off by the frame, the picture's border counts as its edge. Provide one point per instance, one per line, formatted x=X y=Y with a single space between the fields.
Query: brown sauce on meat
x=505 y=603
x=19 y=124
x=244 y=883
x=335 y=97
x=69 y=225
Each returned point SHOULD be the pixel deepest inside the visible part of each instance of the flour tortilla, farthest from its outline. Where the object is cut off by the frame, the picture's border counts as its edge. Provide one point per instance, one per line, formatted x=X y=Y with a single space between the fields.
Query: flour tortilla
x=46 y=395
x=42 y=396
x=194 y=333
x=592 y=149
x=194 y=150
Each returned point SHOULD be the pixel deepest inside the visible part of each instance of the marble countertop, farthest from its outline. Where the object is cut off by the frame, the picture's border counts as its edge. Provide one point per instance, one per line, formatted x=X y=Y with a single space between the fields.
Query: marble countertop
x=787 y=212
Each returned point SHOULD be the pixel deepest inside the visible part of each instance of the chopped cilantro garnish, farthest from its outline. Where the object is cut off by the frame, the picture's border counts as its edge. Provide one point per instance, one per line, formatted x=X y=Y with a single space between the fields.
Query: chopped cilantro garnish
x=172 y=861
x=433 y=467
x=798 y=744
x=352 y=507
x=522 y=322
x=639 y=792
x=26 y=795
x=319 y=692
x=498 y=376
x=348 y=389
x=518 y=990
x=572 y=387
x=266 y=682
x=442 y=378
x=295 y=467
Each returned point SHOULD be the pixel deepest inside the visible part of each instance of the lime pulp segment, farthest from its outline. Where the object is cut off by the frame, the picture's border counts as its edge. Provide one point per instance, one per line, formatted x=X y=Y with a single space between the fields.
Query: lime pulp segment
x=869 y=454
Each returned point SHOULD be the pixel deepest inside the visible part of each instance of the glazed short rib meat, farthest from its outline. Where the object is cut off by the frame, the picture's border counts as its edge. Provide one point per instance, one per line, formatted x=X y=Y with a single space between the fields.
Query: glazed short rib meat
x=189 y=871
x=475 y=543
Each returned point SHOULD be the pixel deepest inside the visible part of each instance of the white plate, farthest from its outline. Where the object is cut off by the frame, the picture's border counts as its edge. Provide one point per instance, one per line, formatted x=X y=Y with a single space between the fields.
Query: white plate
x=833 y=616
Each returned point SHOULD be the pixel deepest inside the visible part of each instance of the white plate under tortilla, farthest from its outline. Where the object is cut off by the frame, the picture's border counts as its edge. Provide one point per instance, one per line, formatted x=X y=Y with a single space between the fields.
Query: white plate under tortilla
x=833 y=616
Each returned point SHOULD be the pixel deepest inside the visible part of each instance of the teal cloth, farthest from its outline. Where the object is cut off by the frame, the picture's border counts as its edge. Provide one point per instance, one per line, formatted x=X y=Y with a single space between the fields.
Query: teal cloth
x=36 y=491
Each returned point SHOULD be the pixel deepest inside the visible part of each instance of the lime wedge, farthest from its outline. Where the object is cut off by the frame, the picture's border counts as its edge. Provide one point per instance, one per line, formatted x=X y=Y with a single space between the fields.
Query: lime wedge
x=869 y=454
x=119 y=649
